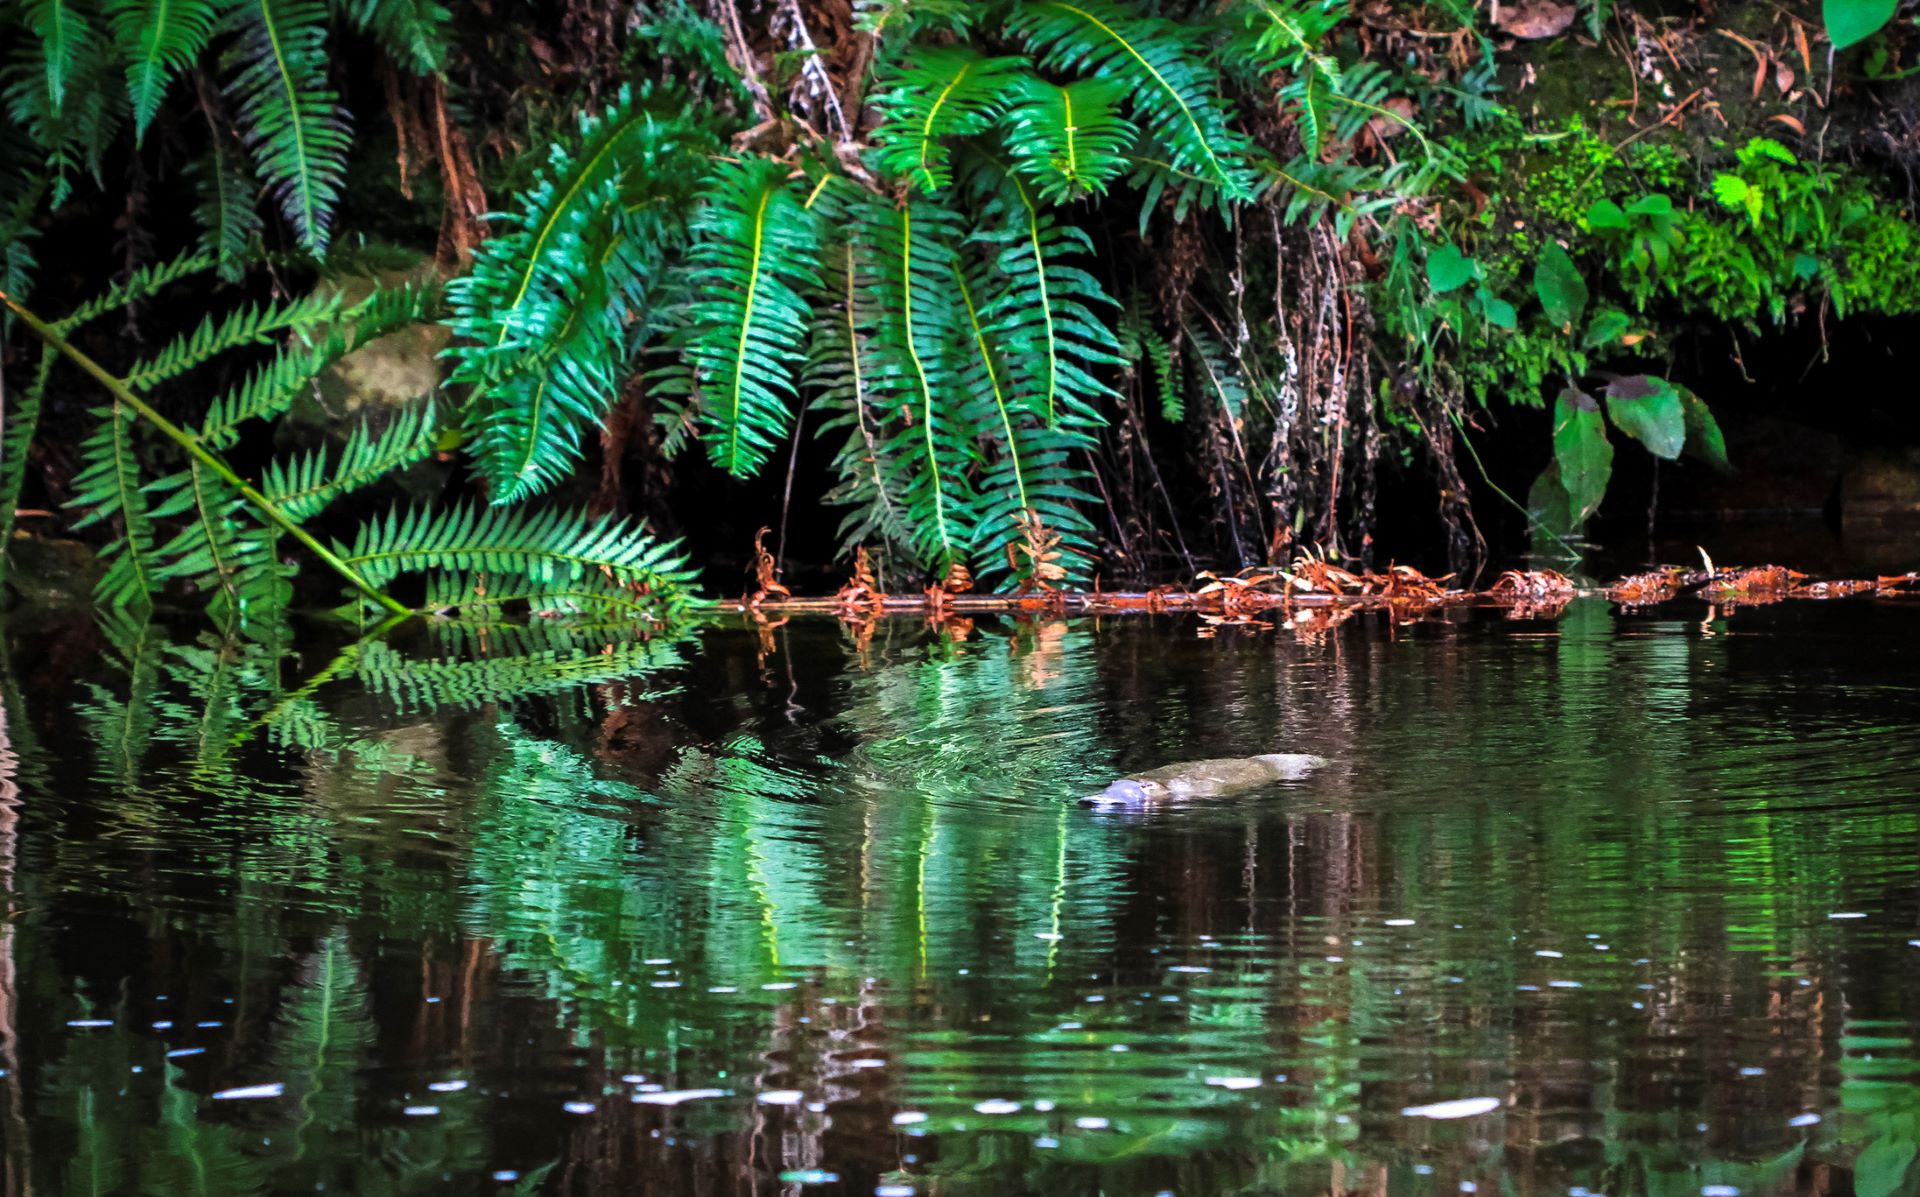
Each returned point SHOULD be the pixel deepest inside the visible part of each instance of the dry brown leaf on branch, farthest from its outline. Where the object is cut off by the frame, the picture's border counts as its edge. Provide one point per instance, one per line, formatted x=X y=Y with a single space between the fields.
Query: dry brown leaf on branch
x=765 y=572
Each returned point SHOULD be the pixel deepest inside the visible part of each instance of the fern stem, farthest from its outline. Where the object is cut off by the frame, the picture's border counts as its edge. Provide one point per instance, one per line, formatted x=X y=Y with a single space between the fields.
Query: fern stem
x=993 y=382
x=926 y=388
x=187 y=441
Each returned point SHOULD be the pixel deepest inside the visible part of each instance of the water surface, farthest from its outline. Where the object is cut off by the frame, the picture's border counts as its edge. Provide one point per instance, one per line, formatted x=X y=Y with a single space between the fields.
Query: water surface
x=1630 y=900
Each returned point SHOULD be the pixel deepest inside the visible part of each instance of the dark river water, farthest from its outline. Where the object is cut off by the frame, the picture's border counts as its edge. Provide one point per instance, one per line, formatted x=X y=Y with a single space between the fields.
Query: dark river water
x=1595 y=903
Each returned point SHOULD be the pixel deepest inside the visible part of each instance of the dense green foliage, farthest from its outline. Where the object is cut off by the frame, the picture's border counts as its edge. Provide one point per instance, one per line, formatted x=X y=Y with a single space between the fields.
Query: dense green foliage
x=1055 y=277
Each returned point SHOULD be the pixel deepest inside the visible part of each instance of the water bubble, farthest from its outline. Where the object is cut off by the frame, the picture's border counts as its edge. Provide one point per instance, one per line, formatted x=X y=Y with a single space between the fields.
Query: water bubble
x=579 y=1107
x=1046 y=1142
x=177 y=1052
x=810 y=1176
x=1719 y=1191
x=447 y=1086
x=90 y=1022
x=869 y=1062
x=1092 y=1123
x=1550 y=954
x=1400 y=922
x=1848 y=914
x=1564 y=984
x=1044 y=1106
x=781 y=1097
x=420 y=1111
x=676 y=1096
x=506 y=1175
x=908 y=1118
x=780 y=985
x=1235 y=1082
x=893 y=1191
x=1753 y=1072
x=996 y=1106
x=1803 y=1120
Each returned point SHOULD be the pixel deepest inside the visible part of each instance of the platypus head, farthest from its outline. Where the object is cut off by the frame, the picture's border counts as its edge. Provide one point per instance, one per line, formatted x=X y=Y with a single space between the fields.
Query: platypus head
x=1124 y=792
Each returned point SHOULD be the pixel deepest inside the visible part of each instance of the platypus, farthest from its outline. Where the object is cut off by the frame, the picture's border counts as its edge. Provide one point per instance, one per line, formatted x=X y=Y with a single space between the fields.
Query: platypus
x=1204 y=779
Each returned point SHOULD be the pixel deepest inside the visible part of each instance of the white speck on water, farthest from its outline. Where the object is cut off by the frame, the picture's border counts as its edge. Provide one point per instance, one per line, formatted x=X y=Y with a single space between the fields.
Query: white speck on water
x=1400 y=922
x=249 y=1092
x=893 y=1191
x=1564 y=984
x=506 y=1174
x=1046 y=1142
x=1095 y=997
x=90 y=1022
x=1235 y=1082
x=817 y=1107
x=633 y=1078
x=723 y=989
x=658 y=960
x=1335 y=959
x=666 y=984
x=781 y=1097
x=433 y=1001
x=1423 y=1169
x=1701 y=1127
x=1189 y=968
x=177 y=1052
x=420 y=1111
x=964 y=972
x=1465 y=1107
x=1049 y=936
x=1094 y=1123
x=1467 y=1186
x=1803 y=1120
x=447 y=1086
x=1753 y=1072
x=1528 y=988
x=1600 y=947
x=580 y=1107
x=676 y=1096
x=1719 y=1191
x=870 y=1062
x=780 y=985
x=996 y=1105
x=651 y=1087
x=165 y=1024
x=1639 y=1005
x=1848 y=914
x=1549 y=953
x=205 y=1025
x=908 y=1118
x=1043 y=1105
x=1119 y=1047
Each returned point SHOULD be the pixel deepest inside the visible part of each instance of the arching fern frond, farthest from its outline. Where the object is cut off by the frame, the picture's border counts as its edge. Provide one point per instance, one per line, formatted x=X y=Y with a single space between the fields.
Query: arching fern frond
x=753 y=255
x=1069 y=141
x=414 y=31
x=229 y=218
x=66 y=39
x=840 y=372
x=543 y=314
x=916 y=341
x=143 y=283
x=304 y=486
x=551 y=546
x=937 y=93
x=1172 y=93
x=160 y=40
x=469 y=682
x=251 y=325
x=294 y=123
x=107 y=487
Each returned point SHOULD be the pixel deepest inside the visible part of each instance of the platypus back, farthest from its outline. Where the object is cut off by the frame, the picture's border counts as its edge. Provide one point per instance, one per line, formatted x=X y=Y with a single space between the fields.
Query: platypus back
x=1204 y=779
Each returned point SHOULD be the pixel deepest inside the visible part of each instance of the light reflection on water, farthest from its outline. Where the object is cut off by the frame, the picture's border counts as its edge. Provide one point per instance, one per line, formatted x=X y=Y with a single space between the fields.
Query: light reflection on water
x=1613 y=903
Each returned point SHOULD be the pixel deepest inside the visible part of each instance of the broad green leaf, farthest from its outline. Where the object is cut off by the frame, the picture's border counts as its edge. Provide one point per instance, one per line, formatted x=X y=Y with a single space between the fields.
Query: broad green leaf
x=1881 y=1170
x=1449 y=270
x=1582 y=451
x=1606 y=329
x=1551 y=509
x=1651 y=205
x=1498 y=312
x=1605 y=214
x=1647 y=409
x=1850 y=22
x=1562 y=292
x=1703 y=432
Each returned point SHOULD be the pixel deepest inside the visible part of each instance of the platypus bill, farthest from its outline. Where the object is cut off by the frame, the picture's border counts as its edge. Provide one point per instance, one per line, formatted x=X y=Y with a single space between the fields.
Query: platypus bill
x=1204 y=779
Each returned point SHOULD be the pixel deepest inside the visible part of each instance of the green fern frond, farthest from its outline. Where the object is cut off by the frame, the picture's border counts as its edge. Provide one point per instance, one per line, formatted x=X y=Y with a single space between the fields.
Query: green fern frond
x=753 y=254
x=840 y=372
x=160 y=40
x=143 y=283
x=1069 y=141
x=486 y=599
x=251 y=325
x=1166 y=375
x=1217 y=373
x=1173 y=95
x=940 y=92
x=65 y=39
x=229 y=219
x=902 y=19
x=413 y=31
x=271 y=388
x=304 y=487
x=295 y=125
x=552 y=546
x=916 y=341
x=209 y=549
x=543 y=314
x=107 y=486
